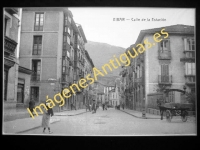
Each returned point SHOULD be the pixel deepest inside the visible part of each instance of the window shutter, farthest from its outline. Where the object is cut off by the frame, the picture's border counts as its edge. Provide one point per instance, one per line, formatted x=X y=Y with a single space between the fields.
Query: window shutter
x=193 y=69
x=185 y=44
x=159 y=46
x=189 y=68
x=168 y=45
x=167 y=69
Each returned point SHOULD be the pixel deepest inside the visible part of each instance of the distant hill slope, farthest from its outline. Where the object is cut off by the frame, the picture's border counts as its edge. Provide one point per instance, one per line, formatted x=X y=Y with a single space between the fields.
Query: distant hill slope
x=101 y=53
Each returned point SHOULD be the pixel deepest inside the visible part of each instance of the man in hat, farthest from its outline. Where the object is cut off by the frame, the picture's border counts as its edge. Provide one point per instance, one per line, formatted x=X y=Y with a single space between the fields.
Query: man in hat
x=32 y=106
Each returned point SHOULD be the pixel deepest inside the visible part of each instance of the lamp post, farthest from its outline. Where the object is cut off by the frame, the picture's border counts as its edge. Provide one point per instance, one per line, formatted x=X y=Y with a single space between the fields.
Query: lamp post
x=144 y=109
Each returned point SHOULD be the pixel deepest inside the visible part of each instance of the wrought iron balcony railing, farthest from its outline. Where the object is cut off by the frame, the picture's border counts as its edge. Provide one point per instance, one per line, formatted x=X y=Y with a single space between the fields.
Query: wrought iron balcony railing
x=164 y=54
x=165 y=79
x=190 y=79
x=189 y=56
x=35 y=77
x=9 y=45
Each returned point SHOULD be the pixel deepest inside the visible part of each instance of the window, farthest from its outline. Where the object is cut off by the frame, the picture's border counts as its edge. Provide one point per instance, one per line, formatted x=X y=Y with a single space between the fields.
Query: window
x=35 y=93
x=189 y=44
x=138 y=71
x=72 y=54
x=68 y=54
x=141 y=71
x=69 y=19
x=64 y=62
x=66 y=21
x=164 y=45
x=36 y=67
x=68 y=40
x=37 y=45
x=68 y=30
x=64 y=69
x=164 y=70
x=190 y=68
x=64 y=42
x=164 y=73
x=39 y=21
x=5 y=25
x=171 y=96
x=65 y=29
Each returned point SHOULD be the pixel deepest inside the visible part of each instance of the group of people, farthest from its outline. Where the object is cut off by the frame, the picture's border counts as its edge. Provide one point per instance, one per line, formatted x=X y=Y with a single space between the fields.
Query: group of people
x=94 y=106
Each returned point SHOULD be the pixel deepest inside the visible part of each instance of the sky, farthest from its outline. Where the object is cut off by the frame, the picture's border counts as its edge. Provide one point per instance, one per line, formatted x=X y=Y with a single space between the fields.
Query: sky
x=99 y=25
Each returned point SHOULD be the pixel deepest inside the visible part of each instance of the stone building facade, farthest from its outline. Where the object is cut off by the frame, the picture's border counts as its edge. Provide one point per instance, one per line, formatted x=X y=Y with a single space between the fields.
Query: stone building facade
x=168 y=64
x=52 y=45
x=16 y=77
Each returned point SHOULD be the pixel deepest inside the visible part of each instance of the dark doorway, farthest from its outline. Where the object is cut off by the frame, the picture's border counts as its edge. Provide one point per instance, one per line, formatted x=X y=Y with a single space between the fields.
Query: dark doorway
x=20 y=93
x=5 y=84
x=35 y=94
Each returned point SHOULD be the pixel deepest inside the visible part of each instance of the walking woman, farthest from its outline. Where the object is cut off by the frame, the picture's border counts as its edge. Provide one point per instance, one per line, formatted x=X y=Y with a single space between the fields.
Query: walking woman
x=46 y=118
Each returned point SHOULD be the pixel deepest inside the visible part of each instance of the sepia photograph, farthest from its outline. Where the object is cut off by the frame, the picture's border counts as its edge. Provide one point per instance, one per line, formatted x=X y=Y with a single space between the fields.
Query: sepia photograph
x=99 y=71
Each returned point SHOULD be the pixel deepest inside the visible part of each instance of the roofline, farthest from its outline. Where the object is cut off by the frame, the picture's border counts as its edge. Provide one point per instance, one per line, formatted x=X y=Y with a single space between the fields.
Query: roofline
x=147 y=31
x=82 y=33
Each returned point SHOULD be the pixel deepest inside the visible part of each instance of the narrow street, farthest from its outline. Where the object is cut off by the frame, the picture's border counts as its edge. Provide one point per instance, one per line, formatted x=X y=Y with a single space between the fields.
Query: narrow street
x=115 y=123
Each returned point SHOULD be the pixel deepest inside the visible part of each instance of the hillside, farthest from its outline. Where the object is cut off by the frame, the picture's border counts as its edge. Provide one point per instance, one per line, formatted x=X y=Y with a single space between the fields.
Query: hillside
x=101 y=53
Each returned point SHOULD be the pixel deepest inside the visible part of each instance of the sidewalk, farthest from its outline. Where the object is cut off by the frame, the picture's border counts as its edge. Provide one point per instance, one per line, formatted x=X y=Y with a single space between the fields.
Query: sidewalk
x=138 y=114
x=26 y=124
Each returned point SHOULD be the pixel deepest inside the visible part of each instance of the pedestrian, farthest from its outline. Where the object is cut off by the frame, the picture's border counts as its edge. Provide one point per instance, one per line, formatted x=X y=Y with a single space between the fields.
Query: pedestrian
x=103 y=105
x=31 y=106
x=46 y=118
x=87 y=106
x=71 y=106
x=94 y=107
x=90 y=106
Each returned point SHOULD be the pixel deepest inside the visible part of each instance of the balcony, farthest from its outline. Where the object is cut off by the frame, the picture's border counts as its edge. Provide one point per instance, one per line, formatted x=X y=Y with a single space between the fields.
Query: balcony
x=138 y=61
x=12 y=10
x=139 y=81
x=190 y=79
x=189 y=56
x=71 y=63
x=123 y=73
x=165 y=79
x=9 y=45
x=71 y=43
x=35 y=77
x=164 y=54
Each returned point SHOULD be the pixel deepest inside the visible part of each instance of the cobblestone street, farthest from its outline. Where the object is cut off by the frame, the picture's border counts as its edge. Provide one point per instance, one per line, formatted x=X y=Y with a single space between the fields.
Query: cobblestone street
x=116 y=123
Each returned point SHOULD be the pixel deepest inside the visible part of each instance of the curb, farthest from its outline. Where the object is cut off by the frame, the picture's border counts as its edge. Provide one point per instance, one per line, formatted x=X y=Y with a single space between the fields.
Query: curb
x=137 y=116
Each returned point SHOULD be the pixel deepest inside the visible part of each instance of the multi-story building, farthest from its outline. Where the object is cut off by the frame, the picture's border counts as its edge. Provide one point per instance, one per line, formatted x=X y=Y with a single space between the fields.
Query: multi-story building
x=168 y=64
x=79 y=72
x=88 y=70
x=16 y=76
x=114 y=94
x=50 y=46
